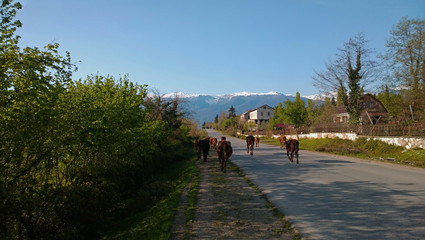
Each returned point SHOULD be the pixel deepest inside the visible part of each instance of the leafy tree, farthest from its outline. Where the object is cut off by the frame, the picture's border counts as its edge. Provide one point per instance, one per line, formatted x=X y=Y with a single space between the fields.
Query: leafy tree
x=216 y=118
x=313 y=112
x=349 y=74
x=291 y=112
x=391 y=101
x=325 y=112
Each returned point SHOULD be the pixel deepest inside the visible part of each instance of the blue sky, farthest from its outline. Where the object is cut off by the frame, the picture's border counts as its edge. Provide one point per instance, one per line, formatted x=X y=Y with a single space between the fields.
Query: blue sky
x=210 y=47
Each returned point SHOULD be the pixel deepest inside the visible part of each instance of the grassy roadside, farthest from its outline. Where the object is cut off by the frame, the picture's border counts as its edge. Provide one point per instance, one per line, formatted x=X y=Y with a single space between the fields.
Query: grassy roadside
x=362 y=148
x=192 y=198
x=157 y=221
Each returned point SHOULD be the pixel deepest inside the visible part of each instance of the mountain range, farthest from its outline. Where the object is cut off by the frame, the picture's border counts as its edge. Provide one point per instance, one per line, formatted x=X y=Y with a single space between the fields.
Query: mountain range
x=203 y=108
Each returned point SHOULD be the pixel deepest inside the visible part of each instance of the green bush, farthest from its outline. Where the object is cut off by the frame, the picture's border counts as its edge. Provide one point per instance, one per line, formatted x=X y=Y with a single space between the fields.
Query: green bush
x=376 y=146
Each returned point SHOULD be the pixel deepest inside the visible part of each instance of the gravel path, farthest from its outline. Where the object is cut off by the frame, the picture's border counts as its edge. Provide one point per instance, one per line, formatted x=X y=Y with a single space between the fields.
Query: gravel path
x=229 y=208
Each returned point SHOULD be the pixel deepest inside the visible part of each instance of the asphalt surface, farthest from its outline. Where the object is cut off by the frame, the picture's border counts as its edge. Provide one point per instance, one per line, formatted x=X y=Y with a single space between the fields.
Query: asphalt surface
x=334 y=197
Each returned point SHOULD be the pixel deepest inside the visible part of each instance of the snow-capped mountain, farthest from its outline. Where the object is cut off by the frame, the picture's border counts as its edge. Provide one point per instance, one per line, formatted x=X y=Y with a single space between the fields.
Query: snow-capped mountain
x=203 y=107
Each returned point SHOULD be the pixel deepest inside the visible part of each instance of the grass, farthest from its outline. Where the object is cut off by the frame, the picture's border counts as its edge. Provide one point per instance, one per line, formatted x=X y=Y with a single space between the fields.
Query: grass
x=363 y=148
x=157 y=221
x=192 y=199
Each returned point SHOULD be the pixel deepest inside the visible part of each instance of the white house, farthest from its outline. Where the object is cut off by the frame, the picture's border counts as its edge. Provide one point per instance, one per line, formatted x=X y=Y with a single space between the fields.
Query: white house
x=258 y=115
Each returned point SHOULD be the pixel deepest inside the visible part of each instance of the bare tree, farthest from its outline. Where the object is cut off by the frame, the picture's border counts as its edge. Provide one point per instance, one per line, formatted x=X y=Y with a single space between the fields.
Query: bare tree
x=351 y=72
x=405 y=64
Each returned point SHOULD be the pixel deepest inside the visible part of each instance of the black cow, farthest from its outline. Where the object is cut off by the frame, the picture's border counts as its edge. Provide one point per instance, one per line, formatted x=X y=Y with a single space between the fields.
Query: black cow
x=205 y=146
x=250 y=144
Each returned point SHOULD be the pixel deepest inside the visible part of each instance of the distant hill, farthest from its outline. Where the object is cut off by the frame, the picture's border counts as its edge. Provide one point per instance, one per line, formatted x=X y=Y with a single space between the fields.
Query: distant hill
x=203 y=108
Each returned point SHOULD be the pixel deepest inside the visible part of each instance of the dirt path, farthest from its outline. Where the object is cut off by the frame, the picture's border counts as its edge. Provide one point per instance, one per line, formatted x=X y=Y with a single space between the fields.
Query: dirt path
x=229 y=208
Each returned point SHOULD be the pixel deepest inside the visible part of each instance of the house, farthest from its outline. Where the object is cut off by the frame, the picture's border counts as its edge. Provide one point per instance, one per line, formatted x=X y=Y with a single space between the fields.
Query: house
x=258 y=115
x=371 y=111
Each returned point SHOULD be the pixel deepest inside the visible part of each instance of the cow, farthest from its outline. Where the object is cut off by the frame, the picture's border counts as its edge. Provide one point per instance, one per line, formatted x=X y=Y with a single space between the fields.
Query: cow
x=257 y=141
x=250 y=144
x=292 y=146
x=213 y=142
x=205 y=146
x=224 y=151
x=282 y=141
x=198 y=148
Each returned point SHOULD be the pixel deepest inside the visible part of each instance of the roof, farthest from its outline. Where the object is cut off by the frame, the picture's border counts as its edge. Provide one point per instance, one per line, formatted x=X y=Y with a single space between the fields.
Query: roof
x=251 y=110
x=265 y=105
x=341 y=109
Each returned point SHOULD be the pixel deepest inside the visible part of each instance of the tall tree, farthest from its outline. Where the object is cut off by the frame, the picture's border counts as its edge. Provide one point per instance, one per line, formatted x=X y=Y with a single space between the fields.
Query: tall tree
x=232 y=112
x=405 y=58
x=349 y=74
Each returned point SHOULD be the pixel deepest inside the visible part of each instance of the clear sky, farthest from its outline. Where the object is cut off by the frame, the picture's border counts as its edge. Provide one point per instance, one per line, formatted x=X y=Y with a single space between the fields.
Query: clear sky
x=210 y=47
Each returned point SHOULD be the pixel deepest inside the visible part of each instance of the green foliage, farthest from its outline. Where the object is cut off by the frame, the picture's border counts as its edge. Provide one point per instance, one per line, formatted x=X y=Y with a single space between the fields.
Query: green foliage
x=391 y=101
x=293 y=113
x=75 y=155
x=156 y=222
x=248 y=126
x=324 y=112
x=376 y=146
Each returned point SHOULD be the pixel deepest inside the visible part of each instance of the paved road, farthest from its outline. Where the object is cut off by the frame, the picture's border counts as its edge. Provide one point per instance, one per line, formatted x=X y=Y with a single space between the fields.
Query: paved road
x=332 y=197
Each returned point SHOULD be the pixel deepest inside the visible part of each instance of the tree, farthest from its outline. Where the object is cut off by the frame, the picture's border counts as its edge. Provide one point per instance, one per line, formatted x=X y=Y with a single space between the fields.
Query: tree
x=31 y=83
x=349 y=74
x=232 y=112
x=391 y=101
x=313 y=112
x=325 y=112
x=405 y=62
x=73 y=153
x=291 y=112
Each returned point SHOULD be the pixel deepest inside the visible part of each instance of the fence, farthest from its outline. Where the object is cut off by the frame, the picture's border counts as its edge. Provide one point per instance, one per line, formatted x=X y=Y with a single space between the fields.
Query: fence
x=414 y=130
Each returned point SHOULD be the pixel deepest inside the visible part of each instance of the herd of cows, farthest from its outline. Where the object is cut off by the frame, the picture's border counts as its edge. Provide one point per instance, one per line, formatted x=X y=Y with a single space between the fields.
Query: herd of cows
x=224 y=148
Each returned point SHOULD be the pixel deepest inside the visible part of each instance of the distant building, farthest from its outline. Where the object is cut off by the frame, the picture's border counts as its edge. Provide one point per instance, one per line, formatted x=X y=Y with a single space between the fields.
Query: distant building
x=258 y=115
x=371 y=111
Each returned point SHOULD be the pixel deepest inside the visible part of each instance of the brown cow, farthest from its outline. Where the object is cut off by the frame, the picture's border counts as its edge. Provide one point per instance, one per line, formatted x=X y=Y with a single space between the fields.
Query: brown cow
x=224 y=151
x=250 y=144
x=213 y=142
x=198 y=148
x=292 y=146
x=282 y=141
x=257 y=141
